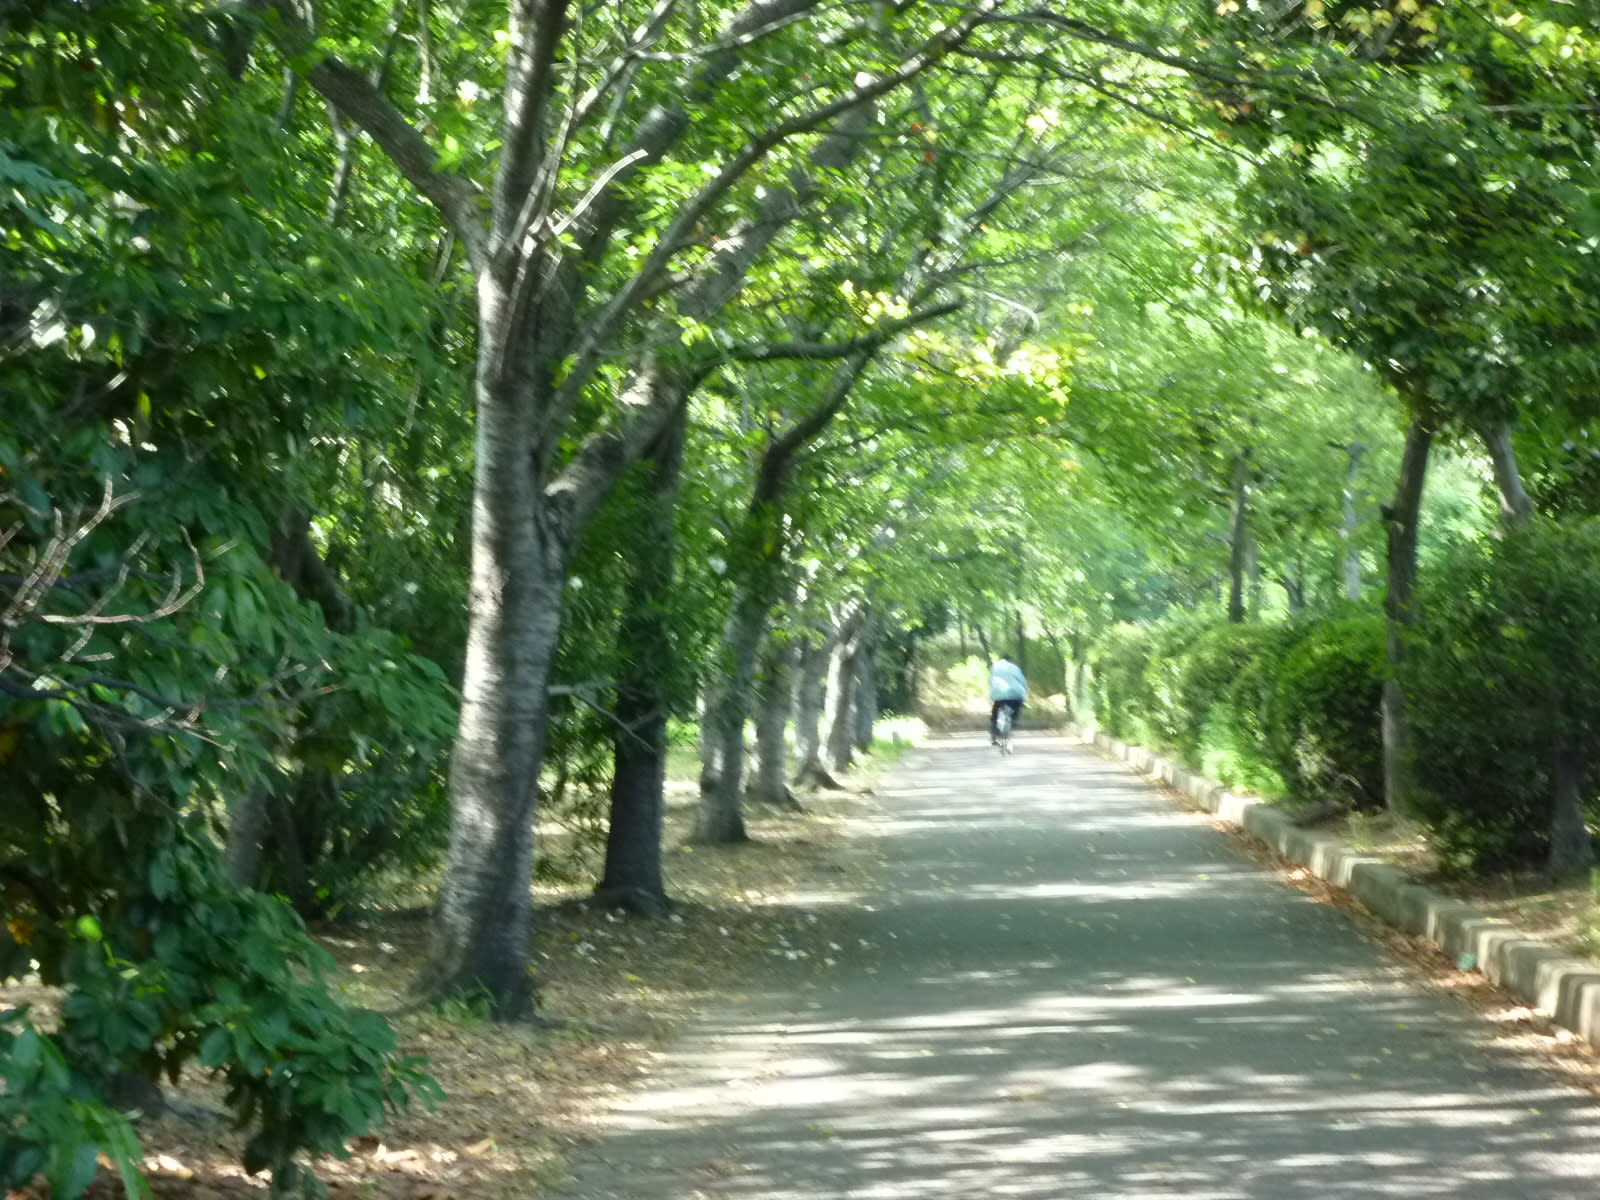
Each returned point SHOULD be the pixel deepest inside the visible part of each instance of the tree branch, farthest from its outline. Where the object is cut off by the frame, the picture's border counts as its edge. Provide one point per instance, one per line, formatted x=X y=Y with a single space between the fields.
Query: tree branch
x=353 y=93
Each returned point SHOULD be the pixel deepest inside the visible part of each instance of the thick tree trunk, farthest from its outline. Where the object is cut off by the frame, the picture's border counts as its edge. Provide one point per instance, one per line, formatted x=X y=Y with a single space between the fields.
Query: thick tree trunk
x=1403 y=516
x=1570 y=850
x=514 y=621
x=1516 y=506
x=864 y=708
x=816 y=652
x=775 y=698
x=632 y=878
x=1238 y=537
x=1350 y=521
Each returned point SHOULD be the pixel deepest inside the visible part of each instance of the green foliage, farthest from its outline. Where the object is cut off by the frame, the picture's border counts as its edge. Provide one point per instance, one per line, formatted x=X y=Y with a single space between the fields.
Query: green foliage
x=1287 y=710
x=50 y=1121
x=1221 y=692
x=1501 y=678
x=1322 y=728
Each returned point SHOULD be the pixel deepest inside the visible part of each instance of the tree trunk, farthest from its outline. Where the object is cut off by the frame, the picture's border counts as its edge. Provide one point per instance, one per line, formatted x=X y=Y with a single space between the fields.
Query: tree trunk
x=1570 y=851
x=961 y=636
x=1238 y=537
x=1022 y=640
x=1516 y=506
x=983 y=643
x=707 y=745
x=249 y=818
x=1350 y=522
x=841 y=700
x=816 y=652
x=1403 y=516
x=514 y=621
x=721 y=817
x=632 y=877
x=864 y=709
x=774 y=701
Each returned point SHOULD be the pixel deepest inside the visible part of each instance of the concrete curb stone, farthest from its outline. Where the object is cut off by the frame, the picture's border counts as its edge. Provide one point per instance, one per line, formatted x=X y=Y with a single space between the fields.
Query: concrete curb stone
x=1540 y=975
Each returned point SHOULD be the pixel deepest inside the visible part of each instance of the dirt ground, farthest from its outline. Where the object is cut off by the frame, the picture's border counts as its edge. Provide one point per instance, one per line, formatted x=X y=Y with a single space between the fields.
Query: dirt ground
x=518 y=1100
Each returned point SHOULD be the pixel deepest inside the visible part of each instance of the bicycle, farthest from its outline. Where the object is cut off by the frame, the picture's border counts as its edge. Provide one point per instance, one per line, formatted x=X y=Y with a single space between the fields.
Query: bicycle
x=1002 y=731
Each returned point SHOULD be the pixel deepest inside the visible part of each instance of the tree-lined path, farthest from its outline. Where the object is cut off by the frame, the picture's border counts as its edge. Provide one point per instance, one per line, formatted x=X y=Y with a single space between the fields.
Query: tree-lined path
x=1064 y=986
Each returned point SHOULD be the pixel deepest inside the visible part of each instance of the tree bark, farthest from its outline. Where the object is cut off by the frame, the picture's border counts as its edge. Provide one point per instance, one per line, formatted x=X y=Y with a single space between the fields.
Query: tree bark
x=816 y=652
x=249 y=820
x=983 y=643
x=1516 y=506
x=1238 y=537
x=518 y=567
x=1570 y=849
x=721 y=818
x=864 y=707
x=774 y=701
x=841 y=696
x=1403 y=516
x=632 y=877
x=1022 y=640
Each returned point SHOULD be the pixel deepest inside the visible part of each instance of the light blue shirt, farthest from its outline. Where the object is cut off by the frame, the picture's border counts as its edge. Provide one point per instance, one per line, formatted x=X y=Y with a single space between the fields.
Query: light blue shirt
x=1006 y=682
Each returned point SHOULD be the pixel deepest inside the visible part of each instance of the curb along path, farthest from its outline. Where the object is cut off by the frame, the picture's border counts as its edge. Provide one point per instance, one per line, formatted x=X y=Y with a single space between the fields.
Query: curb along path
x=1064 y=986
x=1535 y=972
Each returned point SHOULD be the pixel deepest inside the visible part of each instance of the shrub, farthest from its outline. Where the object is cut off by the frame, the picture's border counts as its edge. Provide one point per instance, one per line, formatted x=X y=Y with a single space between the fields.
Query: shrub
x=1503 y=678
x=1323 y=732
x=1117 y=683
x=1225 y=683
x=1169 y=643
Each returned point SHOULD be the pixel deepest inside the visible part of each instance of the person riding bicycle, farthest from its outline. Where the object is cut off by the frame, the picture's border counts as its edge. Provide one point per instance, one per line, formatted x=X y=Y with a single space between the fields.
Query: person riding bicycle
x=1008 y=689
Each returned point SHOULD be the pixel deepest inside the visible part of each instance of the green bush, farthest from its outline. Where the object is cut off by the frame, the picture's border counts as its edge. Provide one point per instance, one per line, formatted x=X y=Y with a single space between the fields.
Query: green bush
x=1503 y=679
x=1170 y=642
x=1224 y=686
x=1323 y=731
x=1118 y=665
x=1288 y=711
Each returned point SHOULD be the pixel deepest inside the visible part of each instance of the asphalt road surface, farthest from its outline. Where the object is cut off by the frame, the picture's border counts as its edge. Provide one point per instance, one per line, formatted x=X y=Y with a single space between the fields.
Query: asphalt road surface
x=1064 y=986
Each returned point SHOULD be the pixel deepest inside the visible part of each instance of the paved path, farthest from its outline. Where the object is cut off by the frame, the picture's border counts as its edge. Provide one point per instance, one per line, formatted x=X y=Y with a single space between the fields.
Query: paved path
x=1072 y=989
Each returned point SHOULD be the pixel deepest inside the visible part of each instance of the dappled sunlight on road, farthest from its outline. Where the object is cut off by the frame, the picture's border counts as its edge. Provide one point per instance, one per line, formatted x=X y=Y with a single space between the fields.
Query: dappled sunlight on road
x=1066 y=988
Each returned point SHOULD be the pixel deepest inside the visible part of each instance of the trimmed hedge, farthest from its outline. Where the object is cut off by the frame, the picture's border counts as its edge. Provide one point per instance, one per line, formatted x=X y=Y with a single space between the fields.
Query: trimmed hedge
x=1288 y=711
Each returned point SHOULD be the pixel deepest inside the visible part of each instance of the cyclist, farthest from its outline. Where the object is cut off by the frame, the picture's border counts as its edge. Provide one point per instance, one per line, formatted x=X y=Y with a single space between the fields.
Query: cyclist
x=1008 y=689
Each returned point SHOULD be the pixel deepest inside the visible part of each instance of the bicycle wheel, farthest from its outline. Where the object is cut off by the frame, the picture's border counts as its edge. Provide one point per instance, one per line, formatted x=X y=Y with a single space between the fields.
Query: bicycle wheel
x=1003 y=729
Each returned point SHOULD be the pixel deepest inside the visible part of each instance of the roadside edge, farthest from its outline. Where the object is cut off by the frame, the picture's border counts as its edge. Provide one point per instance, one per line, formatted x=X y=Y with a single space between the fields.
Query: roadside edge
x=1565 y=988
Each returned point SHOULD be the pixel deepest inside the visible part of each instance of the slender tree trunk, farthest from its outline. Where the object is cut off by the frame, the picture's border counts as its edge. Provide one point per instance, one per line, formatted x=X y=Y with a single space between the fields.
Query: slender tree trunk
x=1403 y=516
x=249 y=820
x=961 y=635
x=721 y=817
x=816 y=652
x=1350 y=522
x=864 y=709
x=1238 y=537
x=983 y=643
x=1516 y=506
x=632 y=878
x=1570 y=849
x=708 y=746
x=841 y=696
x=775 y=696
x=1022 y=640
